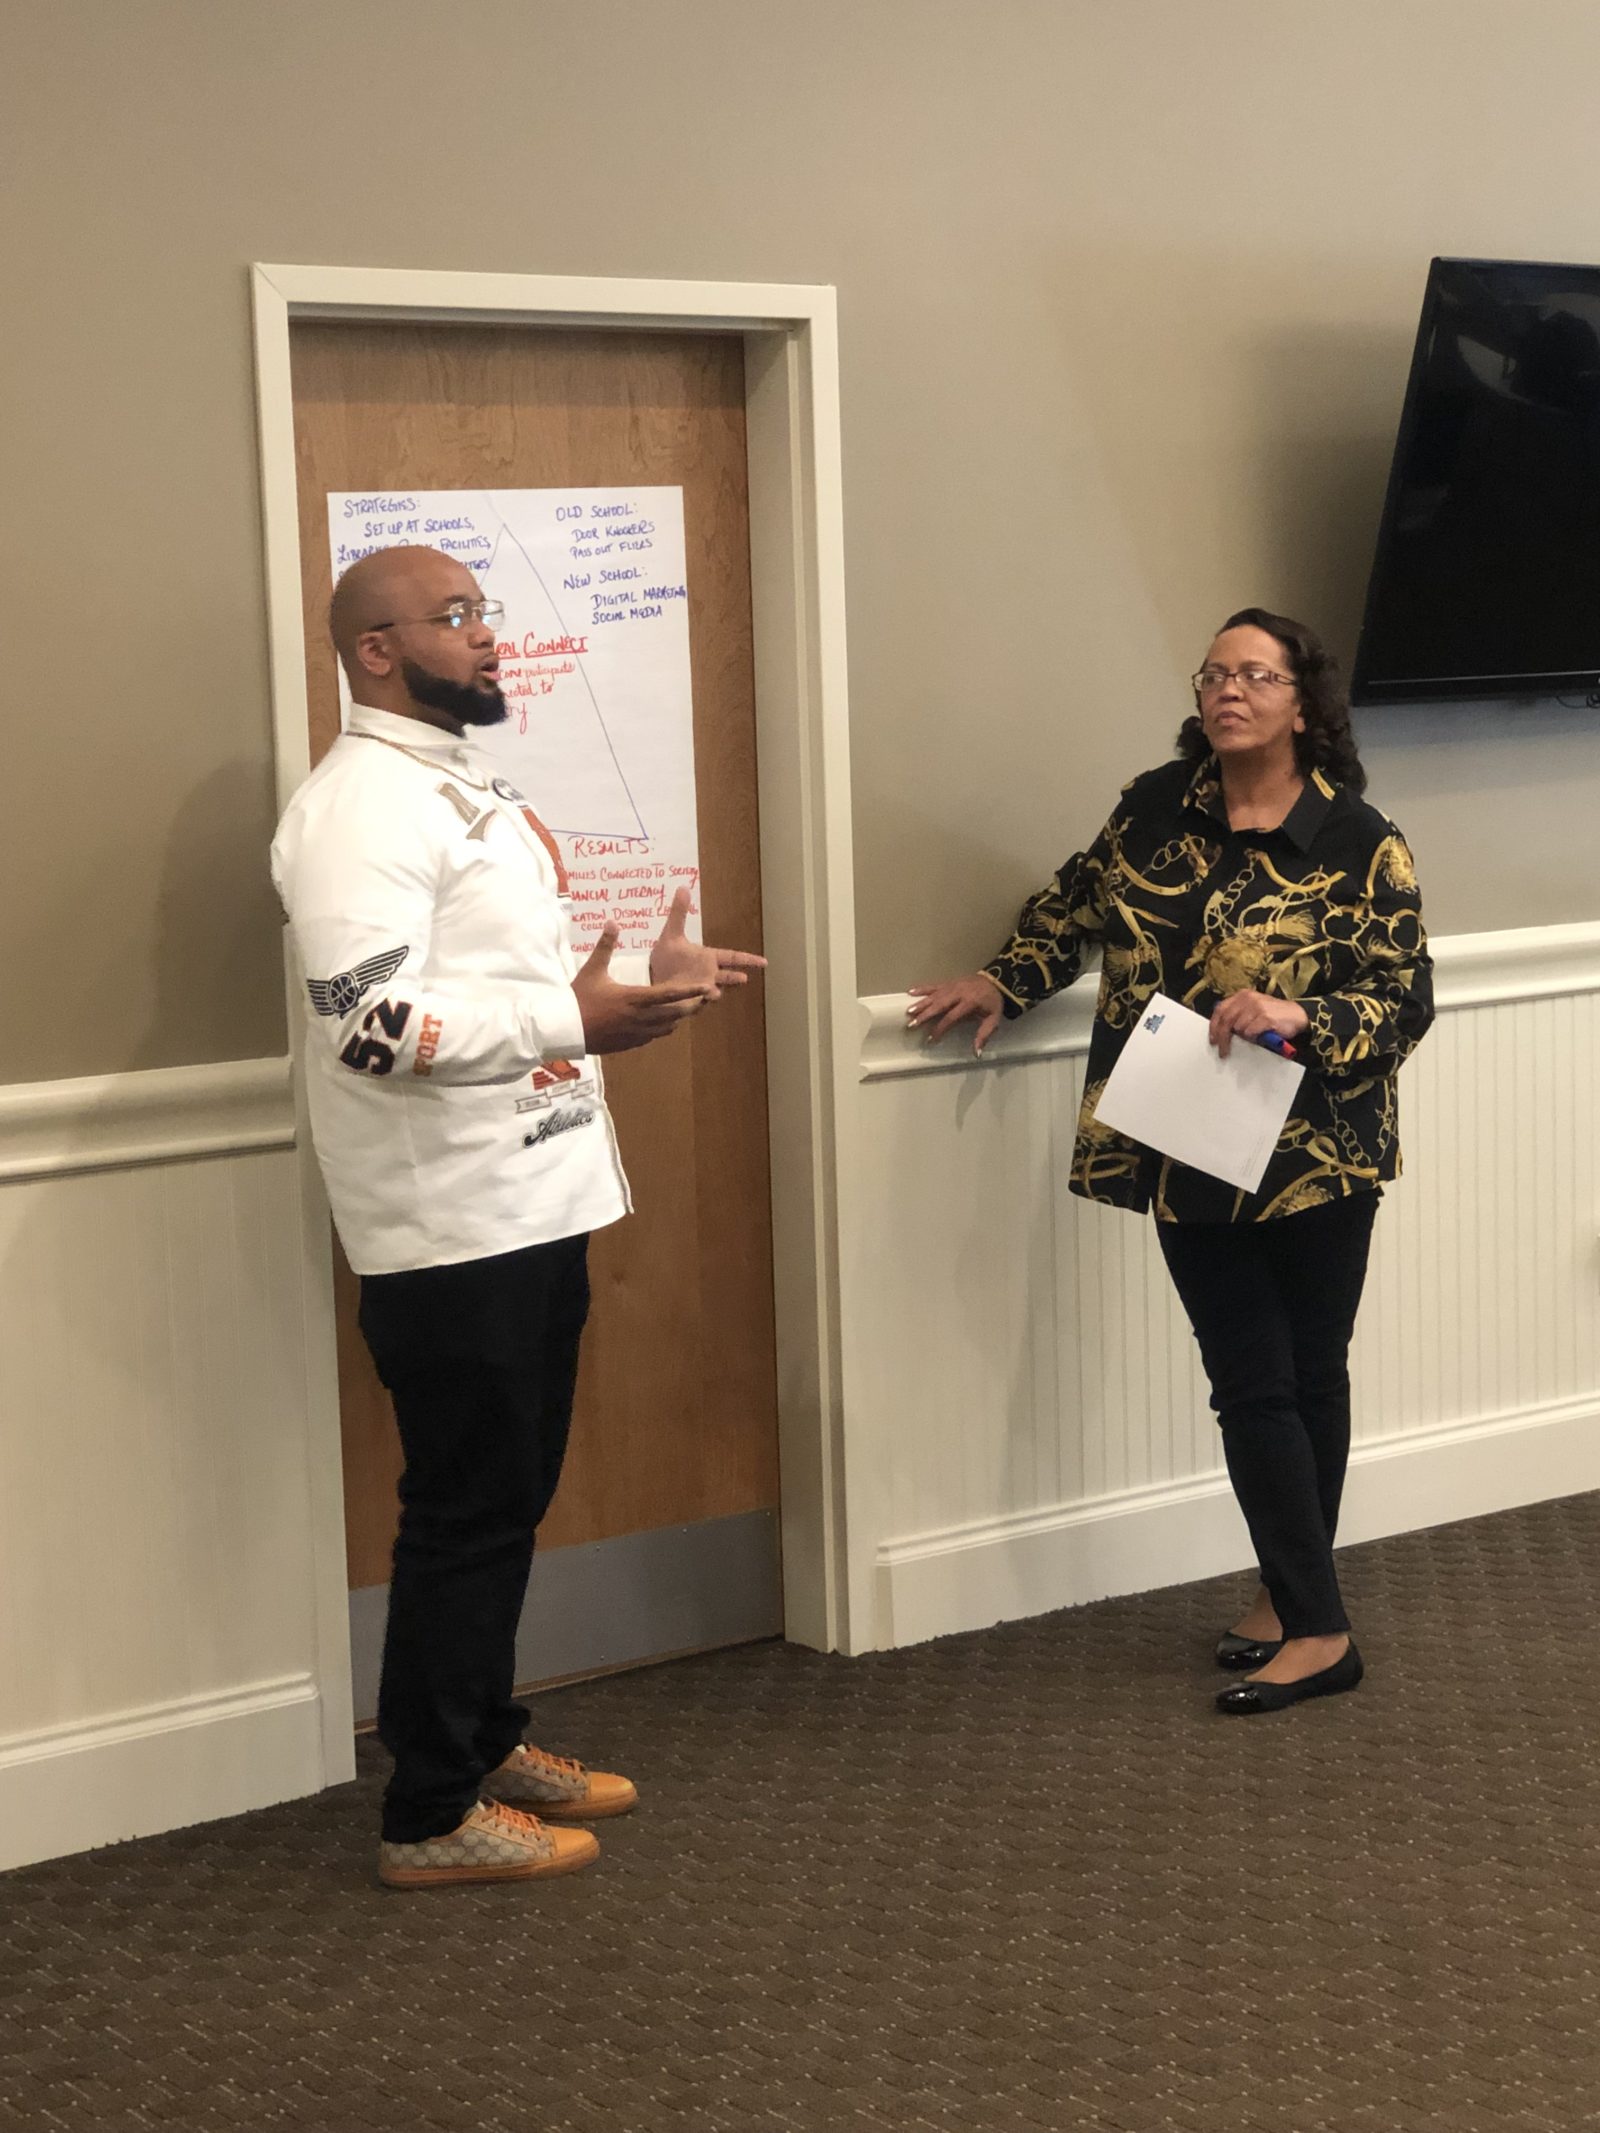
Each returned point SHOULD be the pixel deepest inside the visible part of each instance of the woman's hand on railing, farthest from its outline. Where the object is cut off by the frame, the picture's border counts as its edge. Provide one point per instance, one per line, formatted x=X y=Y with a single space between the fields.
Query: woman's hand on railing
x=938 y=1008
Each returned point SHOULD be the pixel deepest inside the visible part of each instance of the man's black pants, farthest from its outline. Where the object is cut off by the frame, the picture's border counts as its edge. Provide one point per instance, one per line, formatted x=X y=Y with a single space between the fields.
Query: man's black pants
x=481 y=1359
x=1273 y=1305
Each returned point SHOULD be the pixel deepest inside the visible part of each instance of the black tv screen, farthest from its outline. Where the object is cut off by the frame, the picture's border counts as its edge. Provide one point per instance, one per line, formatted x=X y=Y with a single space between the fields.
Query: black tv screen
x=1486 y=580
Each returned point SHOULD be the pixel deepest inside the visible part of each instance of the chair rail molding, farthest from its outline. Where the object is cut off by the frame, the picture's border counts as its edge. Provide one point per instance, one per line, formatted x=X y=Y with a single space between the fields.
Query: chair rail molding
x=152 y=1115
x=1470 y=970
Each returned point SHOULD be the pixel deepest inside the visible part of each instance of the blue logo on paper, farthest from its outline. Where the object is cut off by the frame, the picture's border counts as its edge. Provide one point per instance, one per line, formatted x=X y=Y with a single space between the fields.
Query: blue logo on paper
x=1153 y=1022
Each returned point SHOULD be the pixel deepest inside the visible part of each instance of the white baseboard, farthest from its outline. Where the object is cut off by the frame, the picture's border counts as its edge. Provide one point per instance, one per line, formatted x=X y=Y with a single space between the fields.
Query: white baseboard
x=935 y=1584
x=70 y=1788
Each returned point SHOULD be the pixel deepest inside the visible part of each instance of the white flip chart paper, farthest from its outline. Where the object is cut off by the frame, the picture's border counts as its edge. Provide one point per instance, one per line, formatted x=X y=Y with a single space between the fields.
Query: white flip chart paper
x=594 y=665
x=1174 y=1091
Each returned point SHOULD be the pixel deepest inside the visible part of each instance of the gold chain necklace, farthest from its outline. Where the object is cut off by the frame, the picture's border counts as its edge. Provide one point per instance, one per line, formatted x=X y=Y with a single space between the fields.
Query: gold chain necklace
x=448 y=770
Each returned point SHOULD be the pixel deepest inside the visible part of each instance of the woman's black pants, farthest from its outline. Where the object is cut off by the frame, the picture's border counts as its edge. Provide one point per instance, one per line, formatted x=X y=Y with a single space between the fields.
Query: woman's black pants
x=481 y=1359
x=1273 y=1305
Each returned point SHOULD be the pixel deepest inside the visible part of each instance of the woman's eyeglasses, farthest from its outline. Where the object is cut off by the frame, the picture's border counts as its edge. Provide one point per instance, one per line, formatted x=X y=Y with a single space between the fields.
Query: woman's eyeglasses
x=1210 y=679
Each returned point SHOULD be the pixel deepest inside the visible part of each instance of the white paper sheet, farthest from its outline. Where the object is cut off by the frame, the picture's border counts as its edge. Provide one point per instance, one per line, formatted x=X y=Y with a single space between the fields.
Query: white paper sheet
x=594 y=663
x=1174 y=1091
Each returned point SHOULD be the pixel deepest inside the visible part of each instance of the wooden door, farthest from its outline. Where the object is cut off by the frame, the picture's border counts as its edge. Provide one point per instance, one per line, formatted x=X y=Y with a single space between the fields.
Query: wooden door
x=674 y=1447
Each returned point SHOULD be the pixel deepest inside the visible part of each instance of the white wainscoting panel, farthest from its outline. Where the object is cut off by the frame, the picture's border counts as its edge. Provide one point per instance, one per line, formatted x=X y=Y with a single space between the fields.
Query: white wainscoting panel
x=1029 y=1399
x=159 y=1634
x=1026 y=1423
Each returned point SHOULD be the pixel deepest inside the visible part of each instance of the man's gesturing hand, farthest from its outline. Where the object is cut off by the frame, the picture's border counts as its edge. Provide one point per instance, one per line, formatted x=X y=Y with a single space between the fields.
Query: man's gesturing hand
x=677 y=960
x=619 y=1018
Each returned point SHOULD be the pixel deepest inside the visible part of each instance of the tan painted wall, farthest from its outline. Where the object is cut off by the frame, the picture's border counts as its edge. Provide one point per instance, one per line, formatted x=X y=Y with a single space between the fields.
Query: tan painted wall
x=1127 y=291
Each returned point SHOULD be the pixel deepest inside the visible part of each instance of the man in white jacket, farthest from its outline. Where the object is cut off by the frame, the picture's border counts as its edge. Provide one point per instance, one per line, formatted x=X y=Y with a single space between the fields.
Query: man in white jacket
x=460 y=1123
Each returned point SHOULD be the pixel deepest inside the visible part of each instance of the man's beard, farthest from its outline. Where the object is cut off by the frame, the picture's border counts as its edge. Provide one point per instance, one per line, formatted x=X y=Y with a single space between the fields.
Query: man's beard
x=472 y=706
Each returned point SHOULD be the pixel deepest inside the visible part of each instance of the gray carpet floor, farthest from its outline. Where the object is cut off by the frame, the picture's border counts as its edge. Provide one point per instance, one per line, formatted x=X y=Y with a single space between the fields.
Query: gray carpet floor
x=1023 y=1878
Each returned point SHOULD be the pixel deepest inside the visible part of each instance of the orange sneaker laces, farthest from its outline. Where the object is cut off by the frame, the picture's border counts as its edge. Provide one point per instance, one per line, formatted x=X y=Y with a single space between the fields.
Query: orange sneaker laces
x=557 y=1765
x=509 y=1821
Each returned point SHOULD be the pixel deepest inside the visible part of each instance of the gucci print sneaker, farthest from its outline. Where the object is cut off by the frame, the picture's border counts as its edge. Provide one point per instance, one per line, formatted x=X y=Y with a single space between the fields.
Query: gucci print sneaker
x=494 y=1843
x=558 y=1790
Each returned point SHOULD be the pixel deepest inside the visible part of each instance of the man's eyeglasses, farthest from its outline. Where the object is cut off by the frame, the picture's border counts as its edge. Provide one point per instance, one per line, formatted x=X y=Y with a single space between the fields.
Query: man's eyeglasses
x=1210 y=679
x=455 y=617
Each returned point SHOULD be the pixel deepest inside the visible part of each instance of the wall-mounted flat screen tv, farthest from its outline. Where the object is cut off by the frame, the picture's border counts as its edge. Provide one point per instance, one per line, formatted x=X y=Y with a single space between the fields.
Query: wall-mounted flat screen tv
x=1486 y=580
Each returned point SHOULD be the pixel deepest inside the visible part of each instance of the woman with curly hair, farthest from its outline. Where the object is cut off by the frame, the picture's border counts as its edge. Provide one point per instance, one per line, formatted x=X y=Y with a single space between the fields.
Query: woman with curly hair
x=1249 y=879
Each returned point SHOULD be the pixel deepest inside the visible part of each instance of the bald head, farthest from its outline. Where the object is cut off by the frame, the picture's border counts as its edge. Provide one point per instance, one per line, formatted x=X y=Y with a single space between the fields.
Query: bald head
x=393 y=585
x=401 y=653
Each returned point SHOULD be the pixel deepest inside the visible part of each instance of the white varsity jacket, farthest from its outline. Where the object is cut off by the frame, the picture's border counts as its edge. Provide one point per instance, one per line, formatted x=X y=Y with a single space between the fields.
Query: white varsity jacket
x=454 y=1112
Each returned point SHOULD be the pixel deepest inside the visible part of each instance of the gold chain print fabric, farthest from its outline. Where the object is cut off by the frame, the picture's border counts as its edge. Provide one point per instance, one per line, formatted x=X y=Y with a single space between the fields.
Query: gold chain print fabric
x=1323 y=910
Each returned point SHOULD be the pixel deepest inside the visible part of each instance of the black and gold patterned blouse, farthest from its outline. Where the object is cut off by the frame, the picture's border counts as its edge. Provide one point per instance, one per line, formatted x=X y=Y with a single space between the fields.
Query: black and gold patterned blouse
x=1322 y=910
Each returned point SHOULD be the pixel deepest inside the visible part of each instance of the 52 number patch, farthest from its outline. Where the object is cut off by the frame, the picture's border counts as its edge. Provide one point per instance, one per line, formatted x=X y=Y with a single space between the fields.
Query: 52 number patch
x=369 y=1054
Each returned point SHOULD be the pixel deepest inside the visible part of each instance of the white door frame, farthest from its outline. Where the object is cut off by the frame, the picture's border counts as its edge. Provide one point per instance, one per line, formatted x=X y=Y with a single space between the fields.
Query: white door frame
x=797 y=592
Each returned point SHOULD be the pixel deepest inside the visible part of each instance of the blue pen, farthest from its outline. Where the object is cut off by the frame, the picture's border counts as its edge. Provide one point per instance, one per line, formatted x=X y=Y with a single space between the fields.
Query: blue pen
x=1275 y=1043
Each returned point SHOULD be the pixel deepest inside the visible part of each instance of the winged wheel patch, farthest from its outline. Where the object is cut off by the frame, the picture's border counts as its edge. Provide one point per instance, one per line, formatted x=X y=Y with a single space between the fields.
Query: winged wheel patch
x=337 y=995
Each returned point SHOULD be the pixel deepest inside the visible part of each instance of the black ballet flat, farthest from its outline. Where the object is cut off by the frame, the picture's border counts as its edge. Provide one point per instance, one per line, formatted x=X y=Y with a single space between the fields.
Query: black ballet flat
x=1247 y=1698
x=1242 y=1655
